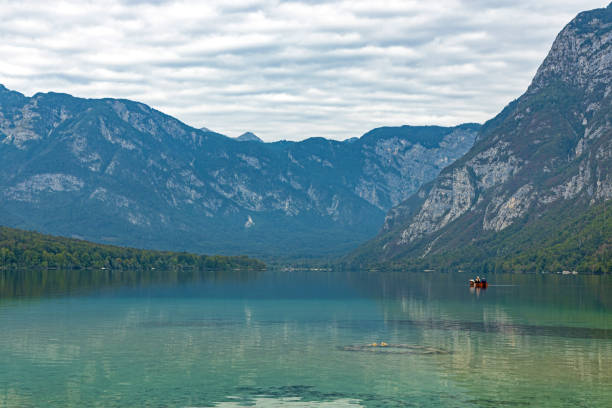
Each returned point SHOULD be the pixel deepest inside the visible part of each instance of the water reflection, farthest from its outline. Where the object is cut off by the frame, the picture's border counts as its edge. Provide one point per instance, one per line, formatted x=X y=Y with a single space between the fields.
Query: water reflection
x=36 y=283
x=477 y=290
x=303 y=339
x=523 y=288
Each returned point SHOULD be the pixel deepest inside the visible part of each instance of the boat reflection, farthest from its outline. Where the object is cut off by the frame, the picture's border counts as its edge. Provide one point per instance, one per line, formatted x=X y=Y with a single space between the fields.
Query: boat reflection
x=477 y=289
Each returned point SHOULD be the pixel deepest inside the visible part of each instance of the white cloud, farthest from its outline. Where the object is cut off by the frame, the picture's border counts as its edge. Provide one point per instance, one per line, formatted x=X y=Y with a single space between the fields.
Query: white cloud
x=286 y=70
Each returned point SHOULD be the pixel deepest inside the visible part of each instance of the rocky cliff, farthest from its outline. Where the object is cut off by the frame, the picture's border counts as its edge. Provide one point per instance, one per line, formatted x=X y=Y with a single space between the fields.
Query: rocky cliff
x=118 y=171
x=546 y=156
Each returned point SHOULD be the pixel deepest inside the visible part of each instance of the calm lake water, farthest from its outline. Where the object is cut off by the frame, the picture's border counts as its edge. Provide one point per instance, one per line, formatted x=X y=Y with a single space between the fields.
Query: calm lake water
x=302 y=339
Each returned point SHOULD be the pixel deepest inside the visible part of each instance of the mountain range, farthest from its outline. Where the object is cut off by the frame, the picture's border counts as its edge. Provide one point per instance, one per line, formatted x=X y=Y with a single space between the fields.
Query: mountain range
x=119 y=172
x=532 y=192
x=527 y=191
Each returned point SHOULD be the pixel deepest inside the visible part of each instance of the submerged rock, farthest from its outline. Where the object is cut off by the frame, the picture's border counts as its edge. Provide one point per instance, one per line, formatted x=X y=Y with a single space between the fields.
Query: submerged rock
x=395 y=349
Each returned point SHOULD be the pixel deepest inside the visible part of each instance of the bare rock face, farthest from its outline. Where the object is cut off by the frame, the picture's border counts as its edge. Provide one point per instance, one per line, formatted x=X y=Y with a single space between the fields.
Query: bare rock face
x=118 y=171
x=549 y=149
x=449 y=199
x=579 y=56
x=502 y=211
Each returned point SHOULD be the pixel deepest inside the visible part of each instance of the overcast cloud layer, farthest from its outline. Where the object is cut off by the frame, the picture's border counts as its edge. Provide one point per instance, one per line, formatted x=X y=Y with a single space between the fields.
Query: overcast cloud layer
x=286 y=70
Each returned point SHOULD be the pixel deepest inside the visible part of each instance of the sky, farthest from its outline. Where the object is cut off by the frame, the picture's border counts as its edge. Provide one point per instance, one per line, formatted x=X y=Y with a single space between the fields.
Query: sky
x=286 y=69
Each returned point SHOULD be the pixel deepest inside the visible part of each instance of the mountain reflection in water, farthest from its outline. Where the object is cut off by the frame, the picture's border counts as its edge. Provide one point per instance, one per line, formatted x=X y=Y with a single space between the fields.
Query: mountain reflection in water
x=303 y=338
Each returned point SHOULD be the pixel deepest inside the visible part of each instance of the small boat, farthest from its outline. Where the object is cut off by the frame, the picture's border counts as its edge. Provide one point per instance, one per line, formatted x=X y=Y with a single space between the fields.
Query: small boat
x=478 y=282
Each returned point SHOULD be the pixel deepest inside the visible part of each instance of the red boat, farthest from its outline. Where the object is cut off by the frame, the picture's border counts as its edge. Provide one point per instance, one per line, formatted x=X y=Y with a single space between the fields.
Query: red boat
x=478 y=282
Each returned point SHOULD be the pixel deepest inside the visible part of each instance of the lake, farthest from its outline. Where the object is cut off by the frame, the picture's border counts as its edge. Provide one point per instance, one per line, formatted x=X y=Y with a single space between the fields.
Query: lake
x=303 y=339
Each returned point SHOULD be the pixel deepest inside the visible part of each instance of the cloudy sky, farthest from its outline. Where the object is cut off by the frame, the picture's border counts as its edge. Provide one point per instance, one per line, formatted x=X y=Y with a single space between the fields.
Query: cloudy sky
x=286 y=70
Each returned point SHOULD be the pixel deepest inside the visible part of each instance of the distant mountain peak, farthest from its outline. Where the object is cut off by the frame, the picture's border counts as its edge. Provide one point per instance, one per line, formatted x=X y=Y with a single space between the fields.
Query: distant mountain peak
x=579 y=55
x=248 y=137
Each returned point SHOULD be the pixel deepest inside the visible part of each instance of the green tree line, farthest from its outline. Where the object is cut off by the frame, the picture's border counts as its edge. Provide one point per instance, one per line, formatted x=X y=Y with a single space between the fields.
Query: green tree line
x=26 y=249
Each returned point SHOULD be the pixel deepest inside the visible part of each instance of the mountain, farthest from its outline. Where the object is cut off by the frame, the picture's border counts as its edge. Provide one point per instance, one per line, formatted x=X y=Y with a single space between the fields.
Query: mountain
x=531 y=194
x=248 y=137
x=25 y=249
x=119 y=172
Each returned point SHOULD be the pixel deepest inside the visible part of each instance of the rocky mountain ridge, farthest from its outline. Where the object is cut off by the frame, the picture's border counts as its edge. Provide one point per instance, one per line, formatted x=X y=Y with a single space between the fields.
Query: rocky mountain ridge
x=117 y=171
x=547 y=153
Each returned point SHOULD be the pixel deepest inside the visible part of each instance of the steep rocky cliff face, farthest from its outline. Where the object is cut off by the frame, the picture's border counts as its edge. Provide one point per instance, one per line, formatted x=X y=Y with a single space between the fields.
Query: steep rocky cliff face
x=117 y=171
x=547 y=154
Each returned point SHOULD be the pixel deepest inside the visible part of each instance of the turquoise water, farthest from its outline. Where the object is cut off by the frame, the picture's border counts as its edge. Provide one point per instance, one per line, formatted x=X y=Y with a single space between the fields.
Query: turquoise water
x=302 y=339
